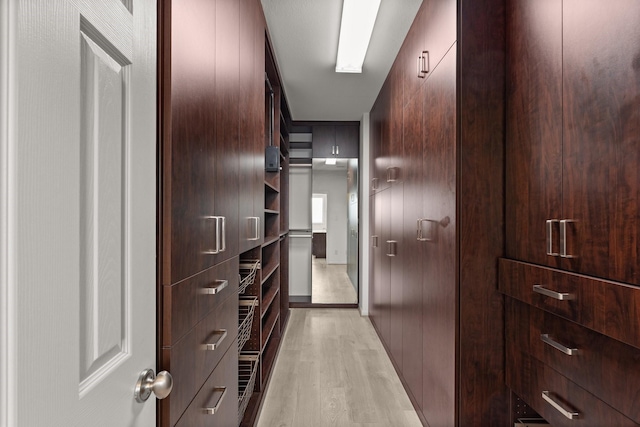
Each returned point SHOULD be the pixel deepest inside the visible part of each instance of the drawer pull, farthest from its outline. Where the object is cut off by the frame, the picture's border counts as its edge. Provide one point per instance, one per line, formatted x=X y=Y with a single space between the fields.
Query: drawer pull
x=392 y=248
x=569 y=414
x=216 y=407
x=555 y=344
x=220 y=285
x=560 y=296
x=213 y=346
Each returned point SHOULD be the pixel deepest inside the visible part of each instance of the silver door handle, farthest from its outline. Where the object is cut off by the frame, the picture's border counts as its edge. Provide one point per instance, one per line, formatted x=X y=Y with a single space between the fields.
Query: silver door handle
x=392 y=248
x=256 y=227
x=224 y=234
x=374 y=241
x=555 y=344
x=337 y=150
x=333 y=150
x=213 y=346
x=420 y=232
x=563 y=238
x=161 y=385
x=221 y=241
x=374 y=183
x=567 y=413
x=216 y=407
x=423 y=64
x=560 y=296
x=550 y=223
x=300 y=236
x=220 y=285
x=392 y=174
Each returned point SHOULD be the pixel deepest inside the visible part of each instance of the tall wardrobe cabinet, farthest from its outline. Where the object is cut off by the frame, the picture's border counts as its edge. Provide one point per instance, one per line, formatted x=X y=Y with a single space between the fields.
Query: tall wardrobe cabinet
x=437 y=132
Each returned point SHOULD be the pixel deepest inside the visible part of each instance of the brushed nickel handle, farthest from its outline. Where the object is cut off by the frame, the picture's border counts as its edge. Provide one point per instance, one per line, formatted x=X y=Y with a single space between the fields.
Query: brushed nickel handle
x=560 y=296
x=337 y=150
x=555 y=344
x=374 y=183
x=213 y=346
x=546 y=395
x=419 y=68
x=220 y=285
x=374 y=241
x=217 y=239
x=256 y=227
x=421 y=237
x=216 y=407
x=563 y=238
x=333 y=150
x=223 y=220
x=423 y=64
x=550 y=223
x=392 y=174
x=148 y=383
x=392 y=248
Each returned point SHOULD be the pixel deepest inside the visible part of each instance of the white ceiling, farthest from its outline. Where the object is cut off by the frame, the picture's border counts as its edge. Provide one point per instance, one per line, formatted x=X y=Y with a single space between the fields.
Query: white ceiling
x=304 y=34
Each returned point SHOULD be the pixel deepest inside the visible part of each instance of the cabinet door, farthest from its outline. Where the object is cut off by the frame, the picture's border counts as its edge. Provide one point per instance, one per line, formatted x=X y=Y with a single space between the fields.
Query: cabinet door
x=323 y=141
x=534 y=128
x=396 y=253
x=380 y=293
x=394 y=172
x=601 y=96
x=412 y=248
x=375 y=155
x=439 y=247
x=347 y=142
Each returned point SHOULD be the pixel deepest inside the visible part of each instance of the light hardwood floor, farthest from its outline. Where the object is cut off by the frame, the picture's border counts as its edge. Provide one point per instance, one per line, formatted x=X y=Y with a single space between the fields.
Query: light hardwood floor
x=333 y=371
x=330 y=283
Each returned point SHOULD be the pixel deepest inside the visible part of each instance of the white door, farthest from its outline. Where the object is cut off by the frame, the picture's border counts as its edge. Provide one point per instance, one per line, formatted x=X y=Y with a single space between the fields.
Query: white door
x=78 y=216
x=300 y=234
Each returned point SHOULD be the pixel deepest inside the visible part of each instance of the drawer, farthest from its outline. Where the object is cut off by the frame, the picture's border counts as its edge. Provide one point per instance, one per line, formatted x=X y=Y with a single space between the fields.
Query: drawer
x=535 y=379
x=189 y=301
x=610 y=308
x=192 y=359
x=517 y=279
x=220 y=391
x=601 y=365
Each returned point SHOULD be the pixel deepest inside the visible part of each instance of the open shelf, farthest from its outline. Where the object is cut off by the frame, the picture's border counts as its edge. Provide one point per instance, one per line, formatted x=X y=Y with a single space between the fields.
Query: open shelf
x=269 y=322
x=271 y=290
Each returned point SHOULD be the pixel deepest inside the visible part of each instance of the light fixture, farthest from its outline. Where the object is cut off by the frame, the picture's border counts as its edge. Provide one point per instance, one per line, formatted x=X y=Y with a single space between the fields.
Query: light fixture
x=330 y=161
x=358 y=17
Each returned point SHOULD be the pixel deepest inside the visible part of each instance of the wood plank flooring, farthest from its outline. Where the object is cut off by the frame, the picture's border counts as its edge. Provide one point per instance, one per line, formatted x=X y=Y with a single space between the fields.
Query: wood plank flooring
x=333 y=371
x=330 y=283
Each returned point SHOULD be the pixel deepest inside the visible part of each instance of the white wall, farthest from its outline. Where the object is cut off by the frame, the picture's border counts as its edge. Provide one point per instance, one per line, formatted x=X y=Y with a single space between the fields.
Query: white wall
x=364 y=215
x=334 y=185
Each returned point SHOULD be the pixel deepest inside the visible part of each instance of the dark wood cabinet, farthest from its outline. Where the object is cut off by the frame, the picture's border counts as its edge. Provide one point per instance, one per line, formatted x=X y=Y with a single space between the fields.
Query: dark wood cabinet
x=436 y=163
x=341 y=141
x=319 y=245
x=572 y=203
x=572 y=132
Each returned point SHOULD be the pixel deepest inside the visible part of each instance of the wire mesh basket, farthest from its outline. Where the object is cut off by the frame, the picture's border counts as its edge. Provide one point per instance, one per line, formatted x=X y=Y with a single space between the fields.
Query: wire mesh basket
x=247 y=372
x=246 y=308
x=248 y=269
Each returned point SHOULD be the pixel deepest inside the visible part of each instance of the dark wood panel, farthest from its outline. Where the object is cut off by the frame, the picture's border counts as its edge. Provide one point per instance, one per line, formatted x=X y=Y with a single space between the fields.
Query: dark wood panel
x=188 y=181
x=324 y=141
x=601 y=96
x=412 y=249
x=396 y=267
x=439 y=251
x=533 y=128
x=392 y=143
x=482 y=395
x=347 y=141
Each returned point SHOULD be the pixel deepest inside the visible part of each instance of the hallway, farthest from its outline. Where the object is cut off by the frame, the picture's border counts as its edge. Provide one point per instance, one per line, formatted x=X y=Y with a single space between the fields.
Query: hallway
x=333 y=371
x=330 y=283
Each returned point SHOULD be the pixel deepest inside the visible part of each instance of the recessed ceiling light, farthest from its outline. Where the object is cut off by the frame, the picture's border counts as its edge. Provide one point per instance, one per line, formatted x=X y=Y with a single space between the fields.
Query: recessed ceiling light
x=358 y=18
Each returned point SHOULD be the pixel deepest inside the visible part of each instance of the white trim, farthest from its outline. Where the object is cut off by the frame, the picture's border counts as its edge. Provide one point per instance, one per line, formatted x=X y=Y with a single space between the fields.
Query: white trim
x=7 y=294
x=364 y=232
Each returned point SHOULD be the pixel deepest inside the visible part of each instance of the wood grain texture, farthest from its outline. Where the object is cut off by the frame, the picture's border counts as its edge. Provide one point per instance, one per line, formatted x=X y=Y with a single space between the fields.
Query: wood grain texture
x=533 y=127
x=333 y=371
x=601 y=129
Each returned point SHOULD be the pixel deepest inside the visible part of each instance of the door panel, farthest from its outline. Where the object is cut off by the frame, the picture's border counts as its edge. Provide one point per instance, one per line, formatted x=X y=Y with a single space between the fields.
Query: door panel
x=601 y=98
x=534 y=128
x=82 y=212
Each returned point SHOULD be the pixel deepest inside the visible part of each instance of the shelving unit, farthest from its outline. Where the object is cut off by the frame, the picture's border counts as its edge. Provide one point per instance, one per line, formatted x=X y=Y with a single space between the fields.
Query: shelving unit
x=271 y=284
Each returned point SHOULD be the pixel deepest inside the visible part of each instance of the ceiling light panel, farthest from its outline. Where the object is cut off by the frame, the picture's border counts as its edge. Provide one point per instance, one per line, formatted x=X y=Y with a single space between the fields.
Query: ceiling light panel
x=358 y=18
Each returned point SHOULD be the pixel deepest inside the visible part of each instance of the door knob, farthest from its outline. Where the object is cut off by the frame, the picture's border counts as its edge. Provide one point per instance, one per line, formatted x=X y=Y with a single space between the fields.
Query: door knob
x=148 y=382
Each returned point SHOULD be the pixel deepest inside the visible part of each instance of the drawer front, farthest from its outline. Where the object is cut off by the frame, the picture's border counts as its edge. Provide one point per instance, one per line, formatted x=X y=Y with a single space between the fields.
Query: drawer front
x=189 y=301
x=610 y=308
x=536 y=379
x=192 y=359
x=220 y=391
x=603 y=366
x=517 y=279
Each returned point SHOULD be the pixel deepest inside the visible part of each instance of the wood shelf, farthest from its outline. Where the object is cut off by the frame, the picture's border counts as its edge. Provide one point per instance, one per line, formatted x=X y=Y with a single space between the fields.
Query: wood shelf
x=271 y=212
x=267 y=299
x=269 y=323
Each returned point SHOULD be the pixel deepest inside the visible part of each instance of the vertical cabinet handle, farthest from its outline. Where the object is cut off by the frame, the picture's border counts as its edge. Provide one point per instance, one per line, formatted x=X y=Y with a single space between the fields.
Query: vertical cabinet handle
x=333 y=150
x=256 y=227
x=420 y=233
x=560 y=296
x=222 y=334
x=546 y=395
x=374 y=241
x=221 y=240
x=220 y=285
x=550 y=251
x=337 y=150
x=216 y=407
x=392 y=246
x=392 y=174
x=423 y=64
x=563 y=238
x=374 y=183
x=555 y=344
